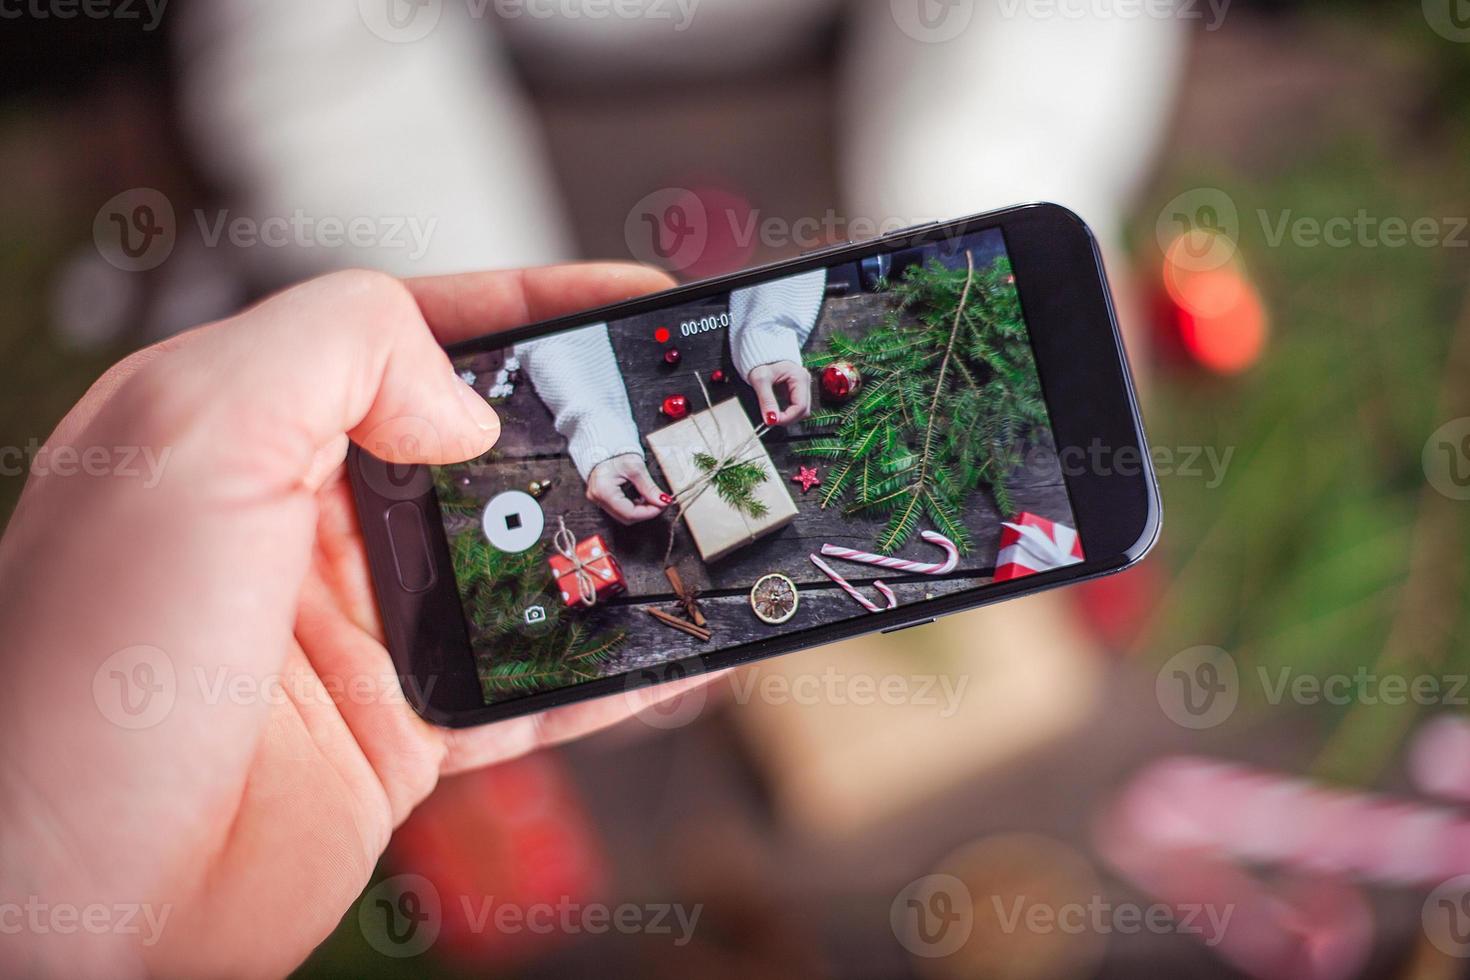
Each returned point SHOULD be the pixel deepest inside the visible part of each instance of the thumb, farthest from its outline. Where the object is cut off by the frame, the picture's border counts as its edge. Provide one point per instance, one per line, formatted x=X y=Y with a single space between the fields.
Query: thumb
x=346 y=354
x=198 y=561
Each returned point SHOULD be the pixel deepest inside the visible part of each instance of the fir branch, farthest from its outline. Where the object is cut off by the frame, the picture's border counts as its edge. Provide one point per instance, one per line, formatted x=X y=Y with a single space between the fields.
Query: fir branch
x=736 y=482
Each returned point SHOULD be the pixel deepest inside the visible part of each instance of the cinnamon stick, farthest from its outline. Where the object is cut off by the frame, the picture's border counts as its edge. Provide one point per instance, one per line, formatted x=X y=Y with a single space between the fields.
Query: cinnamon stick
x=691 y=605
x=681 y=625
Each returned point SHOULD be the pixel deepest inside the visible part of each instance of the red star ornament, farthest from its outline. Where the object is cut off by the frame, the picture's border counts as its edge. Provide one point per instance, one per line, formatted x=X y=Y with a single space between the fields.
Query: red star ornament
x=807 y=477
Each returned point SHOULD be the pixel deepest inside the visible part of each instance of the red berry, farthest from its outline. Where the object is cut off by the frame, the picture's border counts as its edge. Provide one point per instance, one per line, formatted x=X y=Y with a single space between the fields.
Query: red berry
x=675 y=407
x=672 y=357
x=717 y=376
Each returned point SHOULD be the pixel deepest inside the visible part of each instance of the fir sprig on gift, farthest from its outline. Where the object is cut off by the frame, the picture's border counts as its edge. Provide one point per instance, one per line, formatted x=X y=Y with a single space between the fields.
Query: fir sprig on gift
x=950 y=396
x=495 y=588
x=735 y=483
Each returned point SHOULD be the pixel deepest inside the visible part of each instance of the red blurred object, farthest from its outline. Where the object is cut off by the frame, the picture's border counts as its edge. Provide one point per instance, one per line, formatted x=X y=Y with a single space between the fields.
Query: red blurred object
x=512 y=835
x=1213 y=310
x=661 y=335
x=1117 y=606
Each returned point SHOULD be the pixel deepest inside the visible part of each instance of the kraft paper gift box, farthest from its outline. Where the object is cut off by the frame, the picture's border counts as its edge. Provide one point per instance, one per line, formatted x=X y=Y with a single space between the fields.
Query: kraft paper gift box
x=724 y=432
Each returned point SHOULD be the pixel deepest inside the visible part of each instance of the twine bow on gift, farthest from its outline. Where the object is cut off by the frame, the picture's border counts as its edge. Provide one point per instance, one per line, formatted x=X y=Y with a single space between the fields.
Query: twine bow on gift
x=565 y=544
x=1040 y=549
x=716 y=465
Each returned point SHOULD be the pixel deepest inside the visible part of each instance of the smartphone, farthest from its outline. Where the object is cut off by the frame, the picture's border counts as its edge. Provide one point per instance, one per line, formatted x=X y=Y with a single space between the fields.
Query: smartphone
x=863 y=438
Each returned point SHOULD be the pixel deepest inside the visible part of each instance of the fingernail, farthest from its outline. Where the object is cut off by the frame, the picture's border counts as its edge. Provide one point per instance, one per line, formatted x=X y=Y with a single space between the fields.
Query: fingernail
x=665 y=499
x=478 y=407
x=770 y=418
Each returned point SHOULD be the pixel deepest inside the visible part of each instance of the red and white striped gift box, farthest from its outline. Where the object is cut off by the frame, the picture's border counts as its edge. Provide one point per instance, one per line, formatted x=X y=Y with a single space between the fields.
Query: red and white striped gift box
x=1032 y=544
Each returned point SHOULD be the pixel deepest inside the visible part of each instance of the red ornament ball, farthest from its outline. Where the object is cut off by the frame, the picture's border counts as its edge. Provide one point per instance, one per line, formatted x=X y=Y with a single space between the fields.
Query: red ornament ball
x=672 y=357
x=717 y=376
x=675 y=407
x=841 y=380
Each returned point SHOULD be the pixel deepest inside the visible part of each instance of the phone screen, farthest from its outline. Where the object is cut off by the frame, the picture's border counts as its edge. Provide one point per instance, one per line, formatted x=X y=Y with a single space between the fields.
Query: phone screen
x=799 y=452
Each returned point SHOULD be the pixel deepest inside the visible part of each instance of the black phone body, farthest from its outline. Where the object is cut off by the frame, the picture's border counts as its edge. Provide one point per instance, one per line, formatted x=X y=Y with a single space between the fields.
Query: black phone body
x=481 y=630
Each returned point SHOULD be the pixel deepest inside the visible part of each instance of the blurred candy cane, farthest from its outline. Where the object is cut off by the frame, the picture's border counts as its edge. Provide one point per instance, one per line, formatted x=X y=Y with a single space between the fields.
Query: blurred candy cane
x=900 y=564
x=847 y=587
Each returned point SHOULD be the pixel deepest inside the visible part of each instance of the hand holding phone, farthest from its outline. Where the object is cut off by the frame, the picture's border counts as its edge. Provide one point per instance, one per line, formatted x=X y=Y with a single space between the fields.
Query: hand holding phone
x=200 y=713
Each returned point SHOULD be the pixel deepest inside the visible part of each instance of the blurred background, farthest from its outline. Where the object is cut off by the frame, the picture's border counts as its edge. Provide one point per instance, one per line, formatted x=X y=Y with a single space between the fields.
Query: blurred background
x=1247 y=756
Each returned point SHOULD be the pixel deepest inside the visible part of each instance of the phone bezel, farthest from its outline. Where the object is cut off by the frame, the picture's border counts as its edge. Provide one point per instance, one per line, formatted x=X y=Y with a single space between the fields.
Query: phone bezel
x=1090 y=396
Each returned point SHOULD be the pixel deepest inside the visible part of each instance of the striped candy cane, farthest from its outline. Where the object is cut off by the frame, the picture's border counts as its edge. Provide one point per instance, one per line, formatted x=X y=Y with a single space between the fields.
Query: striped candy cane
x=901 y=564
x=847 y=587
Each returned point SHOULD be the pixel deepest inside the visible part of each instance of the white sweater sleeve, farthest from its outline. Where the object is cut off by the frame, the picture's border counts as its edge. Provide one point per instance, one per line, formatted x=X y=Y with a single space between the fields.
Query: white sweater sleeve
x=770 y=322
x=576 y=375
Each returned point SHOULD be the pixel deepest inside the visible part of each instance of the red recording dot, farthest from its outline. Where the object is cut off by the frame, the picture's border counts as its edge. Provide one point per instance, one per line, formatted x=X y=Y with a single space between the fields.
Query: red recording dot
x=661 y=335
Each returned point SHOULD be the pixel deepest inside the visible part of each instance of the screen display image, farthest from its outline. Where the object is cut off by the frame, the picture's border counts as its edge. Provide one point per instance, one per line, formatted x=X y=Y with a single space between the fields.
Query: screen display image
x=787 y=455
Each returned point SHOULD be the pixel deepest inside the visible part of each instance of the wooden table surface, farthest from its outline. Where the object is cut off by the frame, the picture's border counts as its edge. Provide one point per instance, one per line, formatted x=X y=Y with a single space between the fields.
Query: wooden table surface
x=528 y=433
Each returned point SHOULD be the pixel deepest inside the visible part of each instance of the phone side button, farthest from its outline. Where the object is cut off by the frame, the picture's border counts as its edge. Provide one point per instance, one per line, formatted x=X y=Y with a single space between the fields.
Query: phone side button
x=409 y=541
x=908 y=626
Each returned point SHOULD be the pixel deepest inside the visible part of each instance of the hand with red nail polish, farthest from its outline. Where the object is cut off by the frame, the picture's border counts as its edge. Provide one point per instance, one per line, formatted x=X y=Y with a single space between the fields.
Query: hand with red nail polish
x=789 y=377
x=606 y=488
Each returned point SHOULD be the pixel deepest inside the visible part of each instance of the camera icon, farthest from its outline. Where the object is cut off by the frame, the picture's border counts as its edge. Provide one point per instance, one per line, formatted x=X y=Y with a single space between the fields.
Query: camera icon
x=534 y=615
